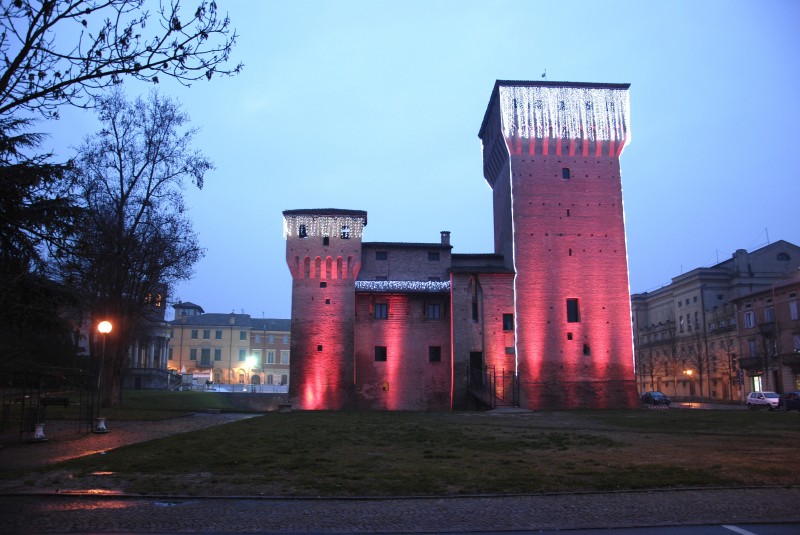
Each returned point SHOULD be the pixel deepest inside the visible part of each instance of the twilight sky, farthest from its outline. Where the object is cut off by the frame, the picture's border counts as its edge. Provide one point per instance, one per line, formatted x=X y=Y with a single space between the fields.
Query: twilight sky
x=376 y=105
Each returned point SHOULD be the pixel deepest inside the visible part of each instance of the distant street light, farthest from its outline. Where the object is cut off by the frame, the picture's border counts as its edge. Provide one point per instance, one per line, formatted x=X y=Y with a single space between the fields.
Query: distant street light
x=251 y=361
x=104 y=327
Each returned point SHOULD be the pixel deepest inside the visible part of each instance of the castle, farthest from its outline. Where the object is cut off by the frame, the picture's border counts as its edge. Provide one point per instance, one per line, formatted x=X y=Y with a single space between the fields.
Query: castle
x=542 y=322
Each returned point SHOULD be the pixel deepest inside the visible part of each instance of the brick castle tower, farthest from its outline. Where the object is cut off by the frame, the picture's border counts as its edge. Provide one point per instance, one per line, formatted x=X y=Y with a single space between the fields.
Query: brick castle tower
x=323 y=252
x=551 y=155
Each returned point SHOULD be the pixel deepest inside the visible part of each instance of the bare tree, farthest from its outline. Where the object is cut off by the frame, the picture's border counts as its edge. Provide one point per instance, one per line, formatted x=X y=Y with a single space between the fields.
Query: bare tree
x=58 y=52
x=135 y=239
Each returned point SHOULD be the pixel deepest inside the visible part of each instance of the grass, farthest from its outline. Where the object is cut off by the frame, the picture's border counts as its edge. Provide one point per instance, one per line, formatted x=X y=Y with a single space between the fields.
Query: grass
x=403 y=453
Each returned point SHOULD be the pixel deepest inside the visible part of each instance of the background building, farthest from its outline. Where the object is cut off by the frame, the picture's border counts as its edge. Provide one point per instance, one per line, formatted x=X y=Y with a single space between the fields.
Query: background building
x=543 y=321
x=689 y=335
x=228 y=348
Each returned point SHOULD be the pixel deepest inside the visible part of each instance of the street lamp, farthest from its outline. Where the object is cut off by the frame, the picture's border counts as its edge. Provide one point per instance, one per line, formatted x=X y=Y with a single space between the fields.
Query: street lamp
x=104 y=327
x=251 y=360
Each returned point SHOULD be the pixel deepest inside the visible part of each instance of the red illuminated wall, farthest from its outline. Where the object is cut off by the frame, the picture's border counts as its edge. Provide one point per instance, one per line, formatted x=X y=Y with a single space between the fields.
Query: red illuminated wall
x=481 y=330
x=565 y=239
x=407 y=380
x=323 y=305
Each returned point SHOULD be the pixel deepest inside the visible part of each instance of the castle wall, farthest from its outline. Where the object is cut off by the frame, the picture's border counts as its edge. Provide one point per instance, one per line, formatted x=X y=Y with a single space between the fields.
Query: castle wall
x=410 y=377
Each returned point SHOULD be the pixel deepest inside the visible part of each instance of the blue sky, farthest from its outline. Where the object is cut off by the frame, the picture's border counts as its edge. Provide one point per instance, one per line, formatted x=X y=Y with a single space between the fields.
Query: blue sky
x=376 y=105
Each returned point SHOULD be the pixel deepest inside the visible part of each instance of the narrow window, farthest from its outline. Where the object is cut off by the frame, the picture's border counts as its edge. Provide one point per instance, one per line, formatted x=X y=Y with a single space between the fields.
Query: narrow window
x=434 y=353
x=284 y=356
x=323 y=284
x=218 y=335
x=192 y=354
x=749 y=319
x=508 y=322
x=206 y=334
x=194 y=334
x=381 y=255
x=475 y=311
x=242 y=355
x=345 y=232
x=242 y=335
x=326 y=240
x=302 y=232
x=217 y=354
x=205 y=357
x=434 y=311
x=169 y=354
x=573 y=314
x=319 y=347
x=433 y=256
x=284 y=379
x=380 y=353
x=586 y=351
x=381 y=311
x=569 y=336
x=271 y=356
x=565 y=173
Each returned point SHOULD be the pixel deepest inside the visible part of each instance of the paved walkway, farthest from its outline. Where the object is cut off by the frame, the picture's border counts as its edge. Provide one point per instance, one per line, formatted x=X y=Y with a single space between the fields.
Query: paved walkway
x=60 y=513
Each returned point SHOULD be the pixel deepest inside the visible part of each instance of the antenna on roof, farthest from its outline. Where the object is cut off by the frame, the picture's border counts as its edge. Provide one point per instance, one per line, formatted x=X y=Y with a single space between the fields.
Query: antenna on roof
x=544 y=75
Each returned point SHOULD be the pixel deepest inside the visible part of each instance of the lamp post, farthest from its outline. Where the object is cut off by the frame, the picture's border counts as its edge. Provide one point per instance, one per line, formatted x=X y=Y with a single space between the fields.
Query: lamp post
x=104 y=327
x=251 y=360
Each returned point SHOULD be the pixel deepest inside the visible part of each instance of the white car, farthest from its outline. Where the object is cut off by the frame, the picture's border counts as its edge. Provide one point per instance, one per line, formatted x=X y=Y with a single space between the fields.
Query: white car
x=758 y=400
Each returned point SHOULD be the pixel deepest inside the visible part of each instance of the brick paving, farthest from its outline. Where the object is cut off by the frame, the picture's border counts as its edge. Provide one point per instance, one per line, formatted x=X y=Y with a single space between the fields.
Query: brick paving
x=61 y=513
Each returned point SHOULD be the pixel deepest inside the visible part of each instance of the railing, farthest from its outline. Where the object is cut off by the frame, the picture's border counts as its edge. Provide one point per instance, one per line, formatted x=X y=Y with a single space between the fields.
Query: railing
x=493 y=388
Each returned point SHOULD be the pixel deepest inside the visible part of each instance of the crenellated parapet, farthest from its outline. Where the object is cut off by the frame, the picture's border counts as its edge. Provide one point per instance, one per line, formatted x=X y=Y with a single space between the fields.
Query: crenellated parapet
x=324 y=223
x=555 y=118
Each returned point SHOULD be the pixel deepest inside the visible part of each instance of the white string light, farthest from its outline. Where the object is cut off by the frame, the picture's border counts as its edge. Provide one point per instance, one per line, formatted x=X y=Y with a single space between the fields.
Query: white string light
x=323 y=225
x=403 y=286
x=565 y=112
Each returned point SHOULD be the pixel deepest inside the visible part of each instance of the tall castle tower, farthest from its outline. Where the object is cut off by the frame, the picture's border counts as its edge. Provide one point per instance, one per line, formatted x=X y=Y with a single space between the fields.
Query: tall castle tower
x=323 y=252
x=551 y=155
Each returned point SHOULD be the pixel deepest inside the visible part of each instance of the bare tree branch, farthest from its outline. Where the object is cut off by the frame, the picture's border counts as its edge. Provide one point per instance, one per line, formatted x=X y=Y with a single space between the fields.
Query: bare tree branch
x=57 y=52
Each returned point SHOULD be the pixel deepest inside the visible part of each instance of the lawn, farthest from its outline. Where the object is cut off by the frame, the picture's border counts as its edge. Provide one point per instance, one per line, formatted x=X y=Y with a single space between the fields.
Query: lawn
x=404 y=453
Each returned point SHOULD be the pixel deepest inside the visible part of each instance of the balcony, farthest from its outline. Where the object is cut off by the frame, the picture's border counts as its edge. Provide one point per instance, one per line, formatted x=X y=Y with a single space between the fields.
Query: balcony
x=767 y=329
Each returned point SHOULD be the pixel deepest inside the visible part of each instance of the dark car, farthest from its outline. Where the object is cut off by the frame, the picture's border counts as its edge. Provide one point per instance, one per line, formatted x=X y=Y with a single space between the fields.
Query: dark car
x=790 y=401
x=654 y=398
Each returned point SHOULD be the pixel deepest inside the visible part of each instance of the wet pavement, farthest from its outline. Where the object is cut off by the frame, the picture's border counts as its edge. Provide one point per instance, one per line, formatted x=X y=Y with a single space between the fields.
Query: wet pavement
x=32 y=512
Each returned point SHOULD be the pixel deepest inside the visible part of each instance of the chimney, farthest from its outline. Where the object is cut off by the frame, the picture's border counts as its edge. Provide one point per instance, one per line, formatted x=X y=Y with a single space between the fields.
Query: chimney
x=445 y=237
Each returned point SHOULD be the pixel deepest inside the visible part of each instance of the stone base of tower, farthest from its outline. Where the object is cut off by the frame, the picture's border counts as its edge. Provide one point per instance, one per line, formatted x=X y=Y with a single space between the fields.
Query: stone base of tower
x=579 y=395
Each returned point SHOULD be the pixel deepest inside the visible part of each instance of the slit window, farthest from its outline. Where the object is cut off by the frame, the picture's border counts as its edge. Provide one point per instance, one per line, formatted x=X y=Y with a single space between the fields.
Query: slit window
x=565 y=173
x=302 y=231
x=381 y=311
x=573 y=312
x=508 y=322
x=326 y=240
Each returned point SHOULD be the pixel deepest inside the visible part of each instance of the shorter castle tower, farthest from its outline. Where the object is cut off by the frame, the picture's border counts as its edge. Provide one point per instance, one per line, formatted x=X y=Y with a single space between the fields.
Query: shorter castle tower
x=323 y=252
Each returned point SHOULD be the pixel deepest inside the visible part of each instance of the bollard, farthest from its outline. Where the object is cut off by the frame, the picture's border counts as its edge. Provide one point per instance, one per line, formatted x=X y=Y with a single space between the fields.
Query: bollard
x=101 y=425
x=38 y=433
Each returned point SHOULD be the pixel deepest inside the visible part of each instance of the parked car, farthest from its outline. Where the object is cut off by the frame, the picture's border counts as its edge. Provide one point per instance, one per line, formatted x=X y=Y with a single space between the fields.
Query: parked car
x=654 y=398
x=759 y=400
x=790 y=401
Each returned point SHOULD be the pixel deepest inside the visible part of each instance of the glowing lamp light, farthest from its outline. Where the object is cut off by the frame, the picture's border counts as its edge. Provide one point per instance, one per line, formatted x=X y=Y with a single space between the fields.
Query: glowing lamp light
x=688 y=372
x=104 y=327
